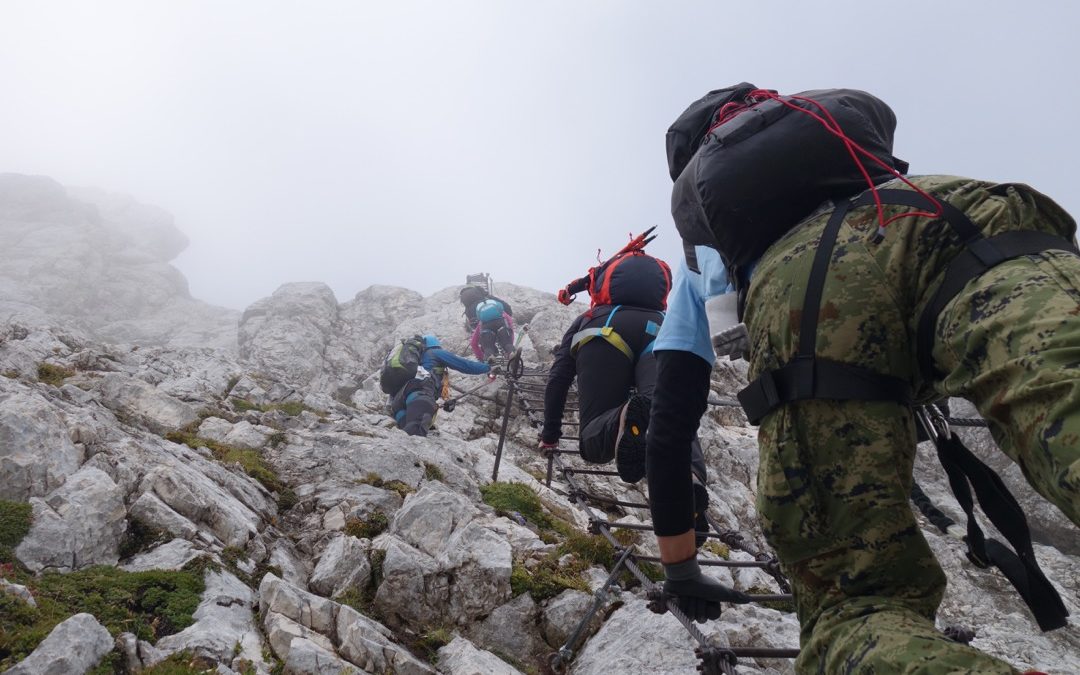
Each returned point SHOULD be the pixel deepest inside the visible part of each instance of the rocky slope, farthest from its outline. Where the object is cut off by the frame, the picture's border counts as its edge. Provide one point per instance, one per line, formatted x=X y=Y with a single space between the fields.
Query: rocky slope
x=314 y=537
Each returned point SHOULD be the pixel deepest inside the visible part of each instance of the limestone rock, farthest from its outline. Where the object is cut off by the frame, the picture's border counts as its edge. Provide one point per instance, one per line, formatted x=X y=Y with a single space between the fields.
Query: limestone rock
x=169 y=556
x=562 y=615
x=223 y=620
x=343 y=564
x=307 y=657
x=77 y=525
x=36 y=452
x=460 y=657
x=73 y=647
x=132 y=397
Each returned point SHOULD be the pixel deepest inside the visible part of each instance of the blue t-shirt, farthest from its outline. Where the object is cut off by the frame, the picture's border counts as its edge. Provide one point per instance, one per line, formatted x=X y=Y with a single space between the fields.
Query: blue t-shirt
x=686 y=325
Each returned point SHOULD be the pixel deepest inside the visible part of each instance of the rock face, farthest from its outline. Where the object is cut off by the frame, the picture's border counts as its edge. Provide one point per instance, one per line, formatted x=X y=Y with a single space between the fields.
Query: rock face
x=364 y=550
x=101 y=261
x=72 y=648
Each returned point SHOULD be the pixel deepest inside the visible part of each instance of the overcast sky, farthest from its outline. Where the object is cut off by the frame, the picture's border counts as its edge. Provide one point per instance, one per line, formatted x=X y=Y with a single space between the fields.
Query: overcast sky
x=410 y=143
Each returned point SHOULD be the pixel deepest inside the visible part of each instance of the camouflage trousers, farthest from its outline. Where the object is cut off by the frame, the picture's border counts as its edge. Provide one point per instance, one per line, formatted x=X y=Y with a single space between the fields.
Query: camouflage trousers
x=834 y=476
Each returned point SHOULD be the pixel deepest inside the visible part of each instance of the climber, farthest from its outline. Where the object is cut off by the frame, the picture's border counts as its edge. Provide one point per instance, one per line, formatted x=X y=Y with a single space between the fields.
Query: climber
x=609 y=350
x=490 y=320
x=972 y=293
x=413 y=396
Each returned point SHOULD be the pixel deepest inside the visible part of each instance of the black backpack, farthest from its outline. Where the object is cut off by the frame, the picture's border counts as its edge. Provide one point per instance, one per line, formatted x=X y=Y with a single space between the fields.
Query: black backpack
x=758 y=172
x=401 y=364
x=633 y=278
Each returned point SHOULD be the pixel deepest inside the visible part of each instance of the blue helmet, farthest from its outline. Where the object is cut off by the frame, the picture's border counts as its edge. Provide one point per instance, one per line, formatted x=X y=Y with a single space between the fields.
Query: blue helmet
x=431 y=341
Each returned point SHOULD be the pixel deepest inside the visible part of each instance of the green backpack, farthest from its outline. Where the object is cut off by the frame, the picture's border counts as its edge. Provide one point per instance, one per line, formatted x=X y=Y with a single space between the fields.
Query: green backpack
x=401 y=364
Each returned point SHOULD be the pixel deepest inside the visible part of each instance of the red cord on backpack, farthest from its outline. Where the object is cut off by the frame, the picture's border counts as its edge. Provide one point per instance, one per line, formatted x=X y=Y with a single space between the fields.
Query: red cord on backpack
x=730 y=110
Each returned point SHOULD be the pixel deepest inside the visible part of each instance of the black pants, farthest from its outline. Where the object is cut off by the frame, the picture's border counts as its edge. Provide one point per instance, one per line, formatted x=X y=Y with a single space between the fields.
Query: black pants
x=414 y=406
x=495 y=336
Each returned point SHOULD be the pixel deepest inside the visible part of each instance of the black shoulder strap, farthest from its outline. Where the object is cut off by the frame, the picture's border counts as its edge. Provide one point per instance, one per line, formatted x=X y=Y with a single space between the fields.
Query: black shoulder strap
x=979 y=255
x=807 y=376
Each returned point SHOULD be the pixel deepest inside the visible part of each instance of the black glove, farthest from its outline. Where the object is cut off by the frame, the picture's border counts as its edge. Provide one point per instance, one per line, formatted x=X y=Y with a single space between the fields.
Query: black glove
x=698 y=596
x=449 y=405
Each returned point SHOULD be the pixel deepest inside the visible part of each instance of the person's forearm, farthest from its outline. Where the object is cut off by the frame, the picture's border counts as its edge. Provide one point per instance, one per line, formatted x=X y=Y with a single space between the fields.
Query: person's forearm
x=679 y=400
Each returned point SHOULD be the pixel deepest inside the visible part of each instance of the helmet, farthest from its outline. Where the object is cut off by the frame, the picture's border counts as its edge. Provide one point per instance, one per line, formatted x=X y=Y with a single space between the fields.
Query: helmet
x=430 y=341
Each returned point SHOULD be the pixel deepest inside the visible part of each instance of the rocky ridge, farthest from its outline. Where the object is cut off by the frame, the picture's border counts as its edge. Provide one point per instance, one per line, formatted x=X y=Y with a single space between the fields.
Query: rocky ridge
x=325 y=540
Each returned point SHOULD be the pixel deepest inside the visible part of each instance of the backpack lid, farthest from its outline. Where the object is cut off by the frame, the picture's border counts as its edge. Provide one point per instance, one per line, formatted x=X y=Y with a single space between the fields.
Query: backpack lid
x=686 y=133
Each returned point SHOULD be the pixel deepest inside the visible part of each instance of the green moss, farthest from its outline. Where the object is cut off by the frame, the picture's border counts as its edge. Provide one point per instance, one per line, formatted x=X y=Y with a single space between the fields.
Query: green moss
x=276 y=439
x=244 y=405
x=367 y=528
x=53 y=374
x=11 y=374
x=506 y=498
x=717 y=548
x=432 y=472
x=181 y=663
x=402 y=489
x=371 y=478
x=626 y=537
x=149 y=604
x=589 y=548
x=15 y=520
x=547 y=579
x=232 y=555
x=250 y=461
x=779 y=605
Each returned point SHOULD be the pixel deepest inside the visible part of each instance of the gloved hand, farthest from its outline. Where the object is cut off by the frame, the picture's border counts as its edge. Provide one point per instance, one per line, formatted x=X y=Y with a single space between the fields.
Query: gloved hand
x=698 y=596
x=733 y=341
x=449 y=405
x=545 y=445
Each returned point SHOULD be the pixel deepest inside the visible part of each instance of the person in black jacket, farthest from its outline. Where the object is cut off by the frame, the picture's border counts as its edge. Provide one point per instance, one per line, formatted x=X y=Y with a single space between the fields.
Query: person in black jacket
x=608 y=349
x=490 y=320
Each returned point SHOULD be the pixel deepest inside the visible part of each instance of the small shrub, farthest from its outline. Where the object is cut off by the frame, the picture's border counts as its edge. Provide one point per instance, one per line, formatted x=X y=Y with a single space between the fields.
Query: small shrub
x=429 y=643
x=149 y=604
x=373 y=479
x=53 y=374
x=367 y=528
x=432 y=472
x=276 y=439
x=589 y=548
x=139 y=537
x=718 y=549
x=506 y=498
x=547 y=579
x=652 y=571
x=402 y=489
x=286 y=500
x=243 y=405
x=15 y=518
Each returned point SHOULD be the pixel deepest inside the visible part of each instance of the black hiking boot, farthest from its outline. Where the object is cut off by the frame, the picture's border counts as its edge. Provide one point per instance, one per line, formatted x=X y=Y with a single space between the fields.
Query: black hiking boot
x=630 y=452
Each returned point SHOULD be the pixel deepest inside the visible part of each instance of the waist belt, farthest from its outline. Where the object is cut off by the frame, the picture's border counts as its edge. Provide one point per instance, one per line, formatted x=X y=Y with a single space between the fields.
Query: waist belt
x=608 y=334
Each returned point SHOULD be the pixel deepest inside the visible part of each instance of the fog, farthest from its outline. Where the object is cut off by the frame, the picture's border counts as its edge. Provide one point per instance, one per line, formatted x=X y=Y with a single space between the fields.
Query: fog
x=410 y=143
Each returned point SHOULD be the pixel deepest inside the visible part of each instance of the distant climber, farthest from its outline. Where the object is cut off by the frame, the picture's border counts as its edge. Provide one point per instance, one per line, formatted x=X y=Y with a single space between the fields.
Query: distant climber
x=414 y=376
x=859 y=303
x=490 y=320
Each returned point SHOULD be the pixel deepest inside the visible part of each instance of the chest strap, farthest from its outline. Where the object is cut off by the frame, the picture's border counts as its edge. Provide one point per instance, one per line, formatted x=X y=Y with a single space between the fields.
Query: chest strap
x=608 y=334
